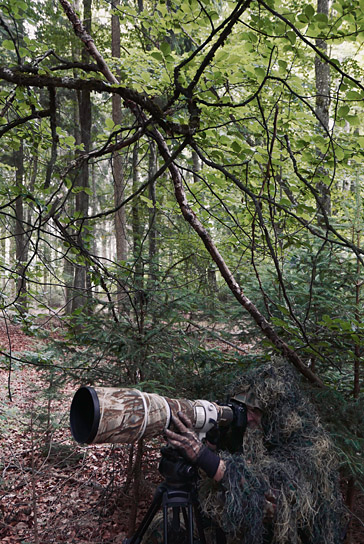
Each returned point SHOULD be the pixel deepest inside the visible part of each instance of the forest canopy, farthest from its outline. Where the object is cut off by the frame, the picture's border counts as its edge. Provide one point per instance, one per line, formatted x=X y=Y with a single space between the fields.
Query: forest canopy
x=177 y=171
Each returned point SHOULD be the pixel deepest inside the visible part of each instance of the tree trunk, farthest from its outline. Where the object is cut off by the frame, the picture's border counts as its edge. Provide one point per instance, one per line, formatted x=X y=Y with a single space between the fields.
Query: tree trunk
x=350 y=502
x=21 y=236
x=357 y=230
x=137 y=226
x=82 y=198
x=69 y=268
x=21 y=241
x=322 y=74
x=117 y=160
x=152 y=222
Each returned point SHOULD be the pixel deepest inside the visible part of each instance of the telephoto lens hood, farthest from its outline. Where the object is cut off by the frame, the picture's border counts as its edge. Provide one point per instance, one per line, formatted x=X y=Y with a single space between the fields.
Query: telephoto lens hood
x=124 y=416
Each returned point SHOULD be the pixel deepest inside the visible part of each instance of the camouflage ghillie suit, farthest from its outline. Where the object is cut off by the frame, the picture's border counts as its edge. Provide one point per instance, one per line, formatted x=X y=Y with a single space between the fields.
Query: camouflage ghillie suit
x=289 y=462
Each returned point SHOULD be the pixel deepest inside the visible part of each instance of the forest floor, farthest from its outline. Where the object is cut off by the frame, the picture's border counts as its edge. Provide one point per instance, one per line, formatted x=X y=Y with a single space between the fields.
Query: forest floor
x=54 y=491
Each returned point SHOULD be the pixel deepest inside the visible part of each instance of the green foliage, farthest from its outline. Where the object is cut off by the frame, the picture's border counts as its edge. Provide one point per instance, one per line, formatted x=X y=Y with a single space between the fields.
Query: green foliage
x=161 y=350
x=343 y=417
x=314 y=307
x=256 y=168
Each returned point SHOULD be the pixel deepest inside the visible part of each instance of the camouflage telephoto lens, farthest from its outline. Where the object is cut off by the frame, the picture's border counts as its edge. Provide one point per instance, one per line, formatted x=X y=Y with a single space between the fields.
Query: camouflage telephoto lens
x=123 y=416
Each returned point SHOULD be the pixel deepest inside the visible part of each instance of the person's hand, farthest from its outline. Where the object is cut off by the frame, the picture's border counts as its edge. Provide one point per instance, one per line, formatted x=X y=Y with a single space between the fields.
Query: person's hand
x=185 y=440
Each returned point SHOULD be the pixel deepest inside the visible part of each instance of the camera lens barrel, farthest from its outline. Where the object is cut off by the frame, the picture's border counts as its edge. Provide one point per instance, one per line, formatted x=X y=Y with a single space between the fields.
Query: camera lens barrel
x=124 y=416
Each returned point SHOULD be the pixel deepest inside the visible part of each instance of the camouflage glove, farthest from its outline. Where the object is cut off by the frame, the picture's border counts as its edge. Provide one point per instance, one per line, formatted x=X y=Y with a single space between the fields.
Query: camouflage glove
x=187 y=442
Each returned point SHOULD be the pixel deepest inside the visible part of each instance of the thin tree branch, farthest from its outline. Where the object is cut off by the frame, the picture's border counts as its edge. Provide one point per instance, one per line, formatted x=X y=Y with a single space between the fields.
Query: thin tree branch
x=17 y=122
x=234 y=17
x=81 y=33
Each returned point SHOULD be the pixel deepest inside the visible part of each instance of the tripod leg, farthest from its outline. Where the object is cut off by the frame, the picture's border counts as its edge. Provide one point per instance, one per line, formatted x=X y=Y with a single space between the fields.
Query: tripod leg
x=175 y=524
x=199 y=525
x=189 y=526
x=146 y=521
x=165 y=524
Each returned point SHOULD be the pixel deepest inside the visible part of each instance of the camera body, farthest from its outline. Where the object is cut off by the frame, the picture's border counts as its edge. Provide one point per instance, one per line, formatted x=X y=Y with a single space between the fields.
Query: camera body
x=175 y=468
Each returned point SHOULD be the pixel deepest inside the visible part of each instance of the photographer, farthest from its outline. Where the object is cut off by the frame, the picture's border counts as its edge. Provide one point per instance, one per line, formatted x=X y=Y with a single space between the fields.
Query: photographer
x=283 y=486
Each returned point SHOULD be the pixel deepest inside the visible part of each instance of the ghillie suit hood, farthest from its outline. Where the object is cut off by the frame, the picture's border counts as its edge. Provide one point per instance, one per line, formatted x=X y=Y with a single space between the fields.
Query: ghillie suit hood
x=291 y=459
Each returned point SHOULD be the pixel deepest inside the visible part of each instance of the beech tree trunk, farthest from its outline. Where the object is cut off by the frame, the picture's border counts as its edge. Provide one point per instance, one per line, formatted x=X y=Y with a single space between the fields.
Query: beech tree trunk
x=21 y=241
x=152 y=223
x=322 y=74
x=82 y=198
x=137 y=226
x=117 y=160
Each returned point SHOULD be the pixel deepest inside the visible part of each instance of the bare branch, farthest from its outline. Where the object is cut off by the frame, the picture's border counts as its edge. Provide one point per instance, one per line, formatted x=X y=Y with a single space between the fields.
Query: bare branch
x=22 y=120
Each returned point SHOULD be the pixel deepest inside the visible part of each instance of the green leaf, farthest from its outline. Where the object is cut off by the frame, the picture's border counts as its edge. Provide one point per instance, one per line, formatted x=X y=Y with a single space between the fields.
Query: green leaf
x=291 y=36
x=221 y=55
x=309 y=11
x=157 y=55
x=260 y=72
x=282 y=64
x=8 y=44
x=321 y=18
x=343 y=111
x=80 y=189
x=109 y=123
x=279 y=322
x=236 y=146
x=285 y=202
x=354 y=95
x=353 y=120
x=148 y=202
x=302 y=17
x=165 y=48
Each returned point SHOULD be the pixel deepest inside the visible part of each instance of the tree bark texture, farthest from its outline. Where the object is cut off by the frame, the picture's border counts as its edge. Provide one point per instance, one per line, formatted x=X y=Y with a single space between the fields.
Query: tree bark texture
x=137 y=225
x=322 y=75
x=117 y=160
x=152 y=220
x=82 y=198
x=21 y=240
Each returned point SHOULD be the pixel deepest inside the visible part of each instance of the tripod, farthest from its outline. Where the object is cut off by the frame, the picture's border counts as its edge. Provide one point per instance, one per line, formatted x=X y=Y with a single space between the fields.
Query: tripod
x=176 y=495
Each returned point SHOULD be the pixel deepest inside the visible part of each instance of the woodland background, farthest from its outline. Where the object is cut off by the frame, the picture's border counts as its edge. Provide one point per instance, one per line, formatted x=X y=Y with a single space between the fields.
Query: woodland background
x=181 y=196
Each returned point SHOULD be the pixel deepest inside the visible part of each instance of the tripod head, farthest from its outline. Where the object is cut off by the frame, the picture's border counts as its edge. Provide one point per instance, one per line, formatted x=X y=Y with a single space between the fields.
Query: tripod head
x=176 y=470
